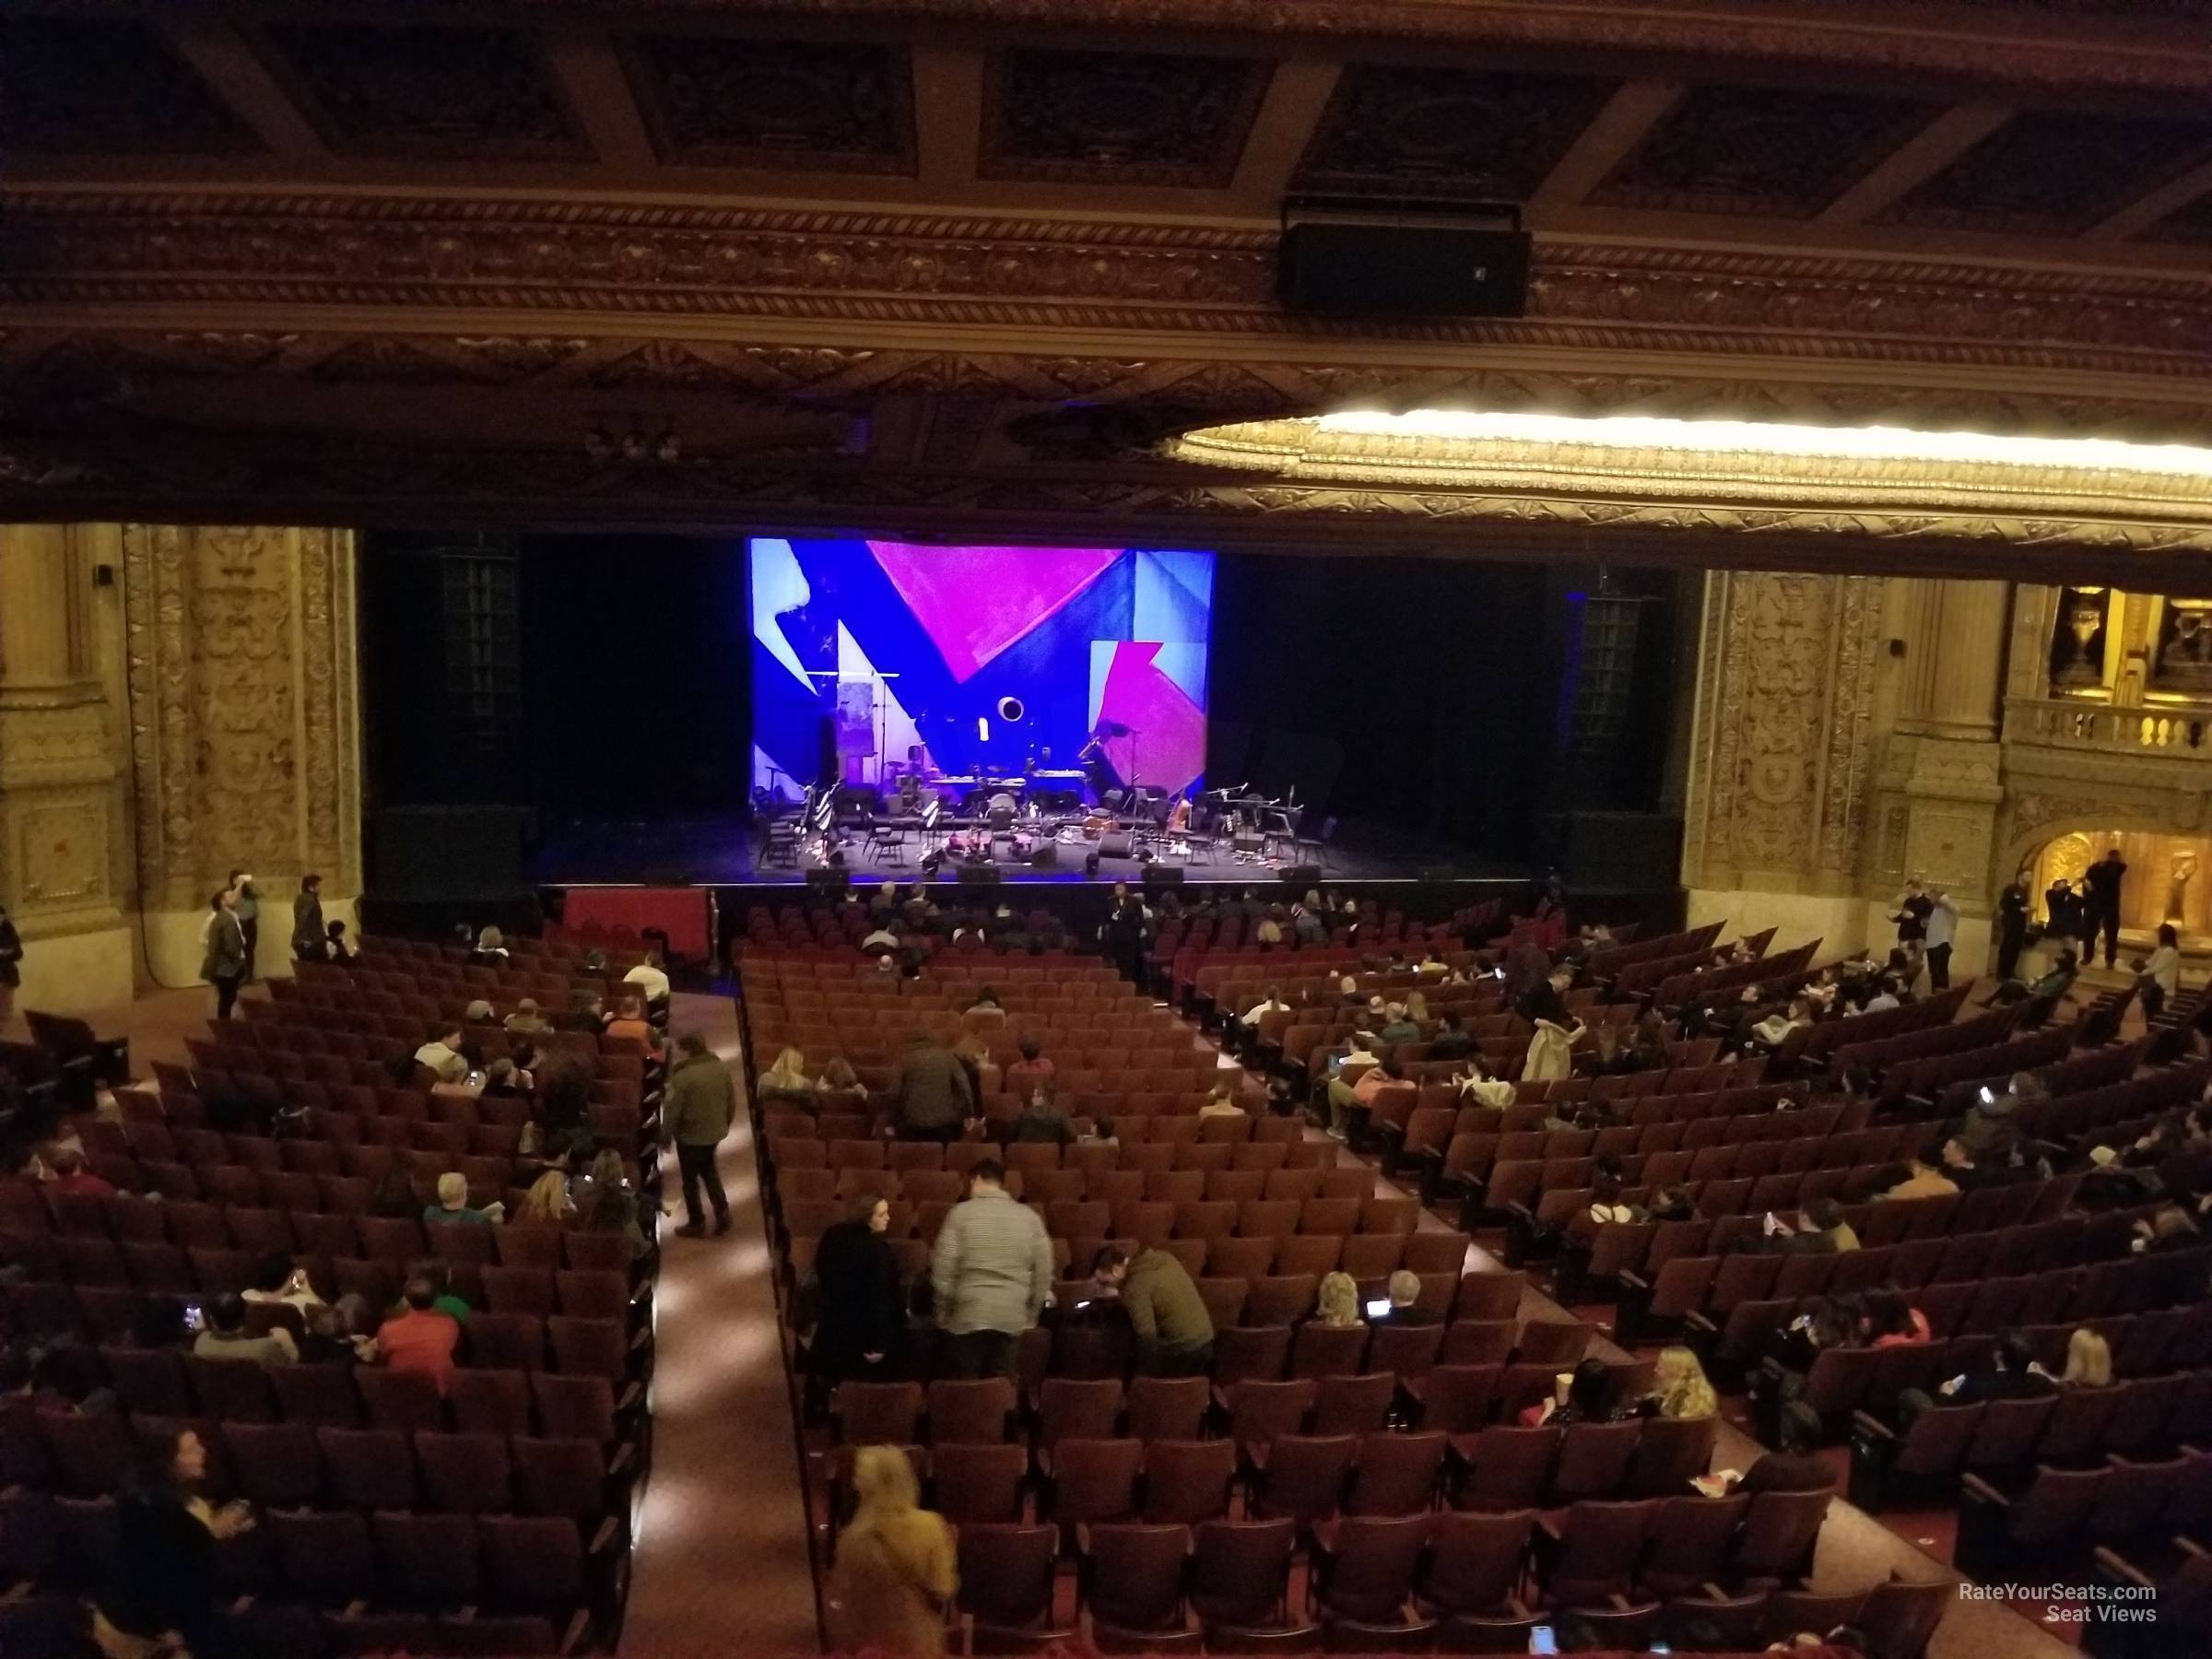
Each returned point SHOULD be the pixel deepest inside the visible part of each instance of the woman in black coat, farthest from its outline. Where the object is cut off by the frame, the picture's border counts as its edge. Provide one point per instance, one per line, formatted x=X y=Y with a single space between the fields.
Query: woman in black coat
x=860 y=1319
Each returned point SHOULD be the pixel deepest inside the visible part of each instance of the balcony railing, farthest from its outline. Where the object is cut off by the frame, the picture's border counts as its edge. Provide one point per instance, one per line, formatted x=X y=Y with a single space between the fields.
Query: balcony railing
x=2063 y=725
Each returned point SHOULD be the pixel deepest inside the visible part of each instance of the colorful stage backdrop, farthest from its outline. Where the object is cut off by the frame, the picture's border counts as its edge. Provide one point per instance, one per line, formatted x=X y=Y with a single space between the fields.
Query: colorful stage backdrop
x=897 y=644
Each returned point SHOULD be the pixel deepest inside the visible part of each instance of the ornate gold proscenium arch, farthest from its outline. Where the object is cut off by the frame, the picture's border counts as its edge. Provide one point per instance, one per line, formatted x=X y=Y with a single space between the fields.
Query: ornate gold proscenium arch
x=1937 y=486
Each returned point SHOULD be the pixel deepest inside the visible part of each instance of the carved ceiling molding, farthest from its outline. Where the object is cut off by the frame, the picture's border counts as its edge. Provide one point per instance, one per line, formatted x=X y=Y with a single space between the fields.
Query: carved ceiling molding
x=42 y=369
x=2063 y=43
x=278 y=486
x=641 y=262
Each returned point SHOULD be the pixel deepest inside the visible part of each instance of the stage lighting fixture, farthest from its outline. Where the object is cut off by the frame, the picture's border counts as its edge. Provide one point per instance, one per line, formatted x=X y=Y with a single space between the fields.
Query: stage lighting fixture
x=1011 y=709
x=1091 y=862
x=932 y=810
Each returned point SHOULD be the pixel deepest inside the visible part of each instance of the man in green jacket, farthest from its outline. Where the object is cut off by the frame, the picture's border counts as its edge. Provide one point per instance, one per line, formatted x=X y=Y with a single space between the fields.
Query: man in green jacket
x=1175 y=1332
x=696 y=1110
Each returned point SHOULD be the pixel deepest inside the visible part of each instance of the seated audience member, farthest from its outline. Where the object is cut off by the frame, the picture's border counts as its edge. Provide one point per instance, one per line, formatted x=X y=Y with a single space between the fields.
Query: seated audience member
x=2007 y=1371
x=527 y=1021
x=548 y=1200
x=652 y=977
x=614 y=1209
x=882 y=941
x=1273 y=926
x=2053 y=983
x=453 y=1203
x=1102 y=1134
x=1818 y=1230
x=337 y=947
x=508 y=1077
x=1451 y=1041
x=278 y=1280
x=2170 y=1227
x=1396 y=1027
x=1023 y=1077
x=1337 y=1301
x=629 y=1021
x=588 y=1013
x=2088 y=1360
x=1042 y=1120
x=1922 y=1180
x=1670 y=1204
x=1588 y=1399
x=838 y=1089
x=226 y=1336
x=786 y=1083
x=479 y=1013
x=1175 y=1332
x=70 y=1178
x=1770 y=1032
x=421 y=1340
x=1884 y=1319
x=491 y=949
x=1271 y=1002
x=1679 y=1387
x=1223 y=1101
x=986 y=1002
x=442 y=1056
x=165 y=1591
x=338 y=1333
x=1484 y=1087
x=1405 y=1294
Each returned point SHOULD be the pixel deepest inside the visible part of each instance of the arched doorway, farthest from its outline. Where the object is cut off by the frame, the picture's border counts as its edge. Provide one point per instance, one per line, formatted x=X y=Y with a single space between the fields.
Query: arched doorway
x=2169 y=880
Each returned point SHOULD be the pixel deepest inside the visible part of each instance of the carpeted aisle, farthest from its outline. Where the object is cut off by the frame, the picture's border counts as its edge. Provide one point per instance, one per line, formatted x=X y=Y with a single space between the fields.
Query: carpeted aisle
x=722 y=1564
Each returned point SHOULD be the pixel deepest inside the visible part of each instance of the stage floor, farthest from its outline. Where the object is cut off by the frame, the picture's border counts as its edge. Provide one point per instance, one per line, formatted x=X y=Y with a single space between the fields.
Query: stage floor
x=724 y=852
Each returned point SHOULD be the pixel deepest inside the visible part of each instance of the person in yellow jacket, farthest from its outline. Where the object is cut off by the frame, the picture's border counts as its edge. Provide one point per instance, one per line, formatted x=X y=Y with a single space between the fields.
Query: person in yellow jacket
x=895 y=1571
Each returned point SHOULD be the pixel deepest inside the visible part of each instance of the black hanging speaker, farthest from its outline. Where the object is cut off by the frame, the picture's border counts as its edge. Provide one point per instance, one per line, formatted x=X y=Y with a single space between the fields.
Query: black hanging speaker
x=1402 y=259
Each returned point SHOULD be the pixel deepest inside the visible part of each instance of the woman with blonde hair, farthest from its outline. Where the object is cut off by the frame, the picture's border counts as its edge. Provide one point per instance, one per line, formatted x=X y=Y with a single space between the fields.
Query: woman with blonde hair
x=548 y=1200
x=786 y=1080
x=1417 y=1008
x=2088 y=1360
x=1337 y=1304
x=895 y=1569
x=1680 y=1389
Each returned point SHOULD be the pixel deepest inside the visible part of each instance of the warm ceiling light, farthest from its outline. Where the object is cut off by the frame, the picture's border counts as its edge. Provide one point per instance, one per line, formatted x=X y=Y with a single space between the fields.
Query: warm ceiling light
x=1770 y=437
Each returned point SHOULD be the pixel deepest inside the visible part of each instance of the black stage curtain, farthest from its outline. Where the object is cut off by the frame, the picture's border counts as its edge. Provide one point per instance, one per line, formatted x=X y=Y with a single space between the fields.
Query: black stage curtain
x=637 y=669
x=1435 y=678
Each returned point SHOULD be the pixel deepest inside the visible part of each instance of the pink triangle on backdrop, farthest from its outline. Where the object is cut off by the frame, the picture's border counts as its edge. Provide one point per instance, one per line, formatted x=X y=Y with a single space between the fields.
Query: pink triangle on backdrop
x=974 y=602
x=1169 y=749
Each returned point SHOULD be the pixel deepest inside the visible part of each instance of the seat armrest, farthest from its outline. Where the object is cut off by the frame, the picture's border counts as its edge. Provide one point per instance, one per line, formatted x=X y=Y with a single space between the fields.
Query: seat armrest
x=604 y=1539
x=1697 y=1321
x=1974 y=1487
x=2121 y=1569
x=1629 y=1278
x=1866 y=1423
x=572 y=1638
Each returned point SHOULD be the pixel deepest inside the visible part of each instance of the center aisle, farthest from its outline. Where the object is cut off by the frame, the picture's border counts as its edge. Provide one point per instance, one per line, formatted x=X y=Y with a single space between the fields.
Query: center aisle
x=722 y=1563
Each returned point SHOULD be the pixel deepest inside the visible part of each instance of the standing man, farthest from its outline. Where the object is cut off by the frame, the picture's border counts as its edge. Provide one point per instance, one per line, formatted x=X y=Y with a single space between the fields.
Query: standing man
x=2012 y=930
x=2102 y=910
x=1943 y=931
x=696 y=1112
x=224 y=966
x=990 y=1274
x=933 y=1098
x=11 y=973
x=1128 y=925
x=310 y=938
x=248 y=915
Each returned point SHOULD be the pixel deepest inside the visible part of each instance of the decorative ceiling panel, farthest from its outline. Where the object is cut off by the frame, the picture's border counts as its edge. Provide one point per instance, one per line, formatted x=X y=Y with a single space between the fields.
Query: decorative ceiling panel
x=1394 y=130
x=109 y=87
x=1118 y=117
x=725 y=101
x=2055 y=173
x=1773 y=150
x=426 y=92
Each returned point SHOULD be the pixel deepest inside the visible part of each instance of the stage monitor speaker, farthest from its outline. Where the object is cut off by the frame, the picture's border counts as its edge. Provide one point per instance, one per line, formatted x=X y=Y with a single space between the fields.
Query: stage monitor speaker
x=449 y=853
x=984 y=875
x=1046 y=857
x=1360 y=266
x=1302 y=876
x=1115 y=843
x=828 y=880
x=1162 y=875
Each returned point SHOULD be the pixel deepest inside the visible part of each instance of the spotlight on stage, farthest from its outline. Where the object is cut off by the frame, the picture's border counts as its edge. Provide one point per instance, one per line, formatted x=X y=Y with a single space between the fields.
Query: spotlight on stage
x=1011 y=709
